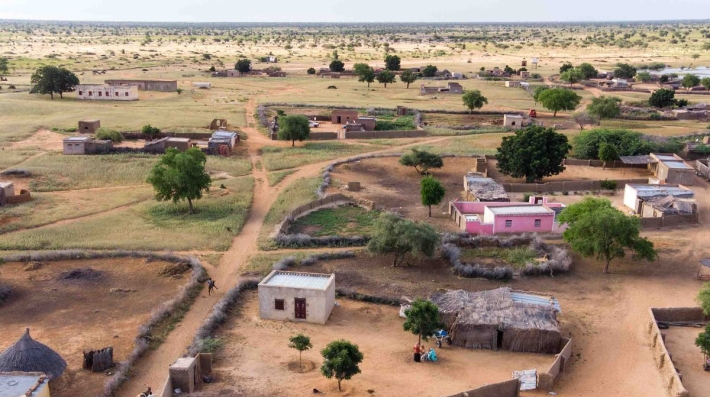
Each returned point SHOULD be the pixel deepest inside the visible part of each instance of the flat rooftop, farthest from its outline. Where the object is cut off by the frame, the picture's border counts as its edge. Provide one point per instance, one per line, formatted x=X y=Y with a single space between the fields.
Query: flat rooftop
x=677 y=165
x=173 y=139
x=14 y=384
x=522 y=210
x=77 y=139
x=643 y=190
x=280 y=278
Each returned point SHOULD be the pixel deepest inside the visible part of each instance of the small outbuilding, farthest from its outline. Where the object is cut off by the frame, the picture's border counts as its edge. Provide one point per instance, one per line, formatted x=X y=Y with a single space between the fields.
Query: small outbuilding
x=8 y=188
x=76 y=144
x=514 y=121
x=202 y=85
x=89 y=126
x=343 y=116
x=512 y=83
x=670 y=168
x=28 y=355
x=297 y=296
x=229 y=136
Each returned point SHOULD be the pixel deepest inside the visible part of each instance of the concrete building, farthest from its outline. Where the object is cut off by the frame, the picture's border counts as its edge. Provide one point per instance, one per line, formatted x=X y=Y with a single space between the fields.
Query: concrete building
x=670 y=168
x=86 y=145
x=89 y=126
x=524 y=74
x=23 y=384
x=162 y=144
x=106 y=92
x=343 y=116
x=8 y=188
x=146 y=85
x=451 y=88
x=512 y=83
x=536 y=216
x=229 y=136
x=297 y=296
x=636 y=194
x=514 y=121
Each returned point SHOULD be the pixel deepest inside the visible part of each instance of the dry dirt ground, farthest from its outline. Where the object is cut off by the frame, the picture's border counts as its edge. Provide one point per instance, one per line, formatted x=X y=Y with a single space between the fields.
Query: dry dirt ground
x=680 y=342
x=73 y=316
x=242 y=369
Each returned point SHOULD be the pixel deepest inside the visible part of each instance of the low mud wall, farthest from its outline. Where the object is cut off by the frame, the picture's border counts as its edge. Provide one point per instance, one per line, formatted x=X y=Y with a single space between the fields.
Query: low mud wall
x=546 y=380
x=384 y=134
x=566 y=186
x=669 y=375
x=286 y=224
x=23 y=197
x=599 y=163
x=191 y=135
x=680 y=314
x=509 y=388
x=322 y=136
x=669 y=220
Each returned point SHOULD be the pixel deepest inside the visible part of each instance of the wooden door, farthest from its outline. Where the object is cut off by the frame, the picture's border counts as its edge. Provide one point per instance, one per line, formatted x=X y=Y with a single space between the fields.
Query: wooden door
x=300 y=307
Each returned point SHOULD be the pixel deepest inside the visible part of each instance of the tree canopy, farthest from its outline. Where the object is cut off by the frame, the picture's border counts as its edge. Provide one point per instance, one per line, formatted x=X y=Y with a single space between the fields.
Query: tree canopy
x=703 y=298
x=557 y=99
x=643 y=77
x=537 y=91
x=386 y=77
x=408 y=77
x=53 y=80
x=533 y=153
x=584 y=118
x=336 y=65
x=608 y=153
x=565 y=67
x=311 y=71
x=293 y=128
x=367 y=76
x=473 y=100
x=595 y=228
x=421 y=160
x=398 y=236
x=301 y=343
x=392 y=62
x=703 y=342
x=689 y=81
x=627 y=143
x=429 y=71
x=624 y=71
x=243 y=66
x=423 y=319
x=662 y=98
x=180 y=176
x=341 y=360
x=572 y=76
x=432 y=192
x=4 y=65
x=605 y=107
x=705 y=82
x=359 y=68
x=588 y=71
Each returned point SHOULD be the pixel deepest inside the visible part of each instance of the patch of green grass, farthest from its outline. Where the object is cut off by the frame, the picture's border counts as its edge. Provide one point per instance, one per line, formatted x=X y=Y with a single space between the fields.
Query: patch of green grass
x=211 y=345
x=398 y=123
x=212 y=259
x=342 y=221
x=150 y=226
x=10 y=158
x=279 y=158
x=299 y=192
x=517 y=256
x=277 y=176
x=235 y=165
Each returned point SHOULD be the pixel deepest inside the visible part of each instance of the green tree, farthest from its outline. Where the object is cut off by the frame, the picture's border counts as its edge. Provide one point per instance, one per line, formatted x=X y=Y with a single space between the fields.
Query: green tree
x=367 y=76
x=311 y=71
x=662 y=98
x=423 y=319
x=408 y=77
x=294 y=128
x=643 y=77
x=703 y=342
x=243 y=66
x=385 y=77
x=584 y=118
x=572 y=76
x=392 y=62
x=565 y=67
x=430 y=71
x=150 y=130
x=340 y=360
x=51 y=79
x=595 y=228
x=703 y=298
x=179 y=91
x=539 y=90
x=608 y=153
x=301 y=343
x=180 y=176
x=473 y=100
x=705 y=82
x=398 y=236
x=624 y=71
x=534 y=152
x=605 y=107
x=4 y=65
x=336 y=65
x=588 y=71
x=689 y=81
x=557 y=99
x=106 y=134
x=360 y=68
x=432 y=192
x=421 y=160
x=628 y=143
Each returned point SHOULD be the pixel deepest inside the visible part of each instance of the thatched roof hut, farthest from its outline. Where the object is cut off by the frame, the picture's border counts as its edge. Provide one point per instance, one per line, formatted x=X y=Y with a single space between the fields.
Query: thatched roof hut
x=500 y=319
x=28 y=355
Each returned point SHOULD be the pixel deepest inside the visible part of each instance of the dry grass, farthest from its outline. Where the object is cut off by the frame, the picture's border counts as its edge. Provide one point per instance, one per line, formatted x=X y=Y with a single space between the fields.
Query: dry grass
x=279 y=158
x=297 y=193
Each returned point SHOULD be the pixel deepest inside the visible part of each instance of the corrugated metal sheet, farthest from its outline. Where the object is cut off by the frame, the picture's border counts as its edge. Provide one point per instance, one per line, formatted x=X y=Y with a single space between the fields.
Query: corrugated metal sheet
x=645 y=159
x=299 y=280
x=536 y=299
x=522 y=210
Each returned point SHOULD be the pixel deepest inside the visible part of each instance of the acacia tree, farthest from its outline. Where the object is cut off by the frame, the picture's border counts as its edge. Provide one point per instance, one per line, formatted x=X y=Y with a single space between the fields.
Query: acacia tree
x=584 y=118
x=534 y=152
x=359 y=68
x=4 y=65
x=423 y=319
x=607 y=153
x=340 y=360
x=421 y=160
x=293 y=128
x=392 y=62
x=539 y=90
x=703 y=342
x=180 y=176
x=243 y=66
x=386 y=77
x=51 y=79
x=367 y=76
x=557 y=99
x=598 y=229
x=429 y=71
x=572 y=76
x=408 y=77
x=588 y=71
x=605 y=107
x=398 y=236
x=473 y=100
x=336 y=65
x=624 y=71
x=703 y=298
x=301 y=343
x=689 y=81
x=432 y=192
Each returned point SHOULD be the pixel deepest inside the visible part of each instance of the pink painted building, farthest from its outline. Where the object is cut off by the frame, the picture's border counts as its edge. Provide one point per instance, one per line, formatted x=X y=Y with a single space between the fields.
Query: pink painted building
x=537 y=215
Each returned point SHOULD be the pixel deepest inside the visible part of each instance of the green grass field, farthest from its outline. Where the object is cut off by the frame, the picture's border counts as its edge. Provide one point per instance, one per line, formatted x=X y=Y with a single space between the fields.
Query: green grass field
x=279 y=158
x=342 y=221
x=517 y=256
x=299 y=192
x=277 y=176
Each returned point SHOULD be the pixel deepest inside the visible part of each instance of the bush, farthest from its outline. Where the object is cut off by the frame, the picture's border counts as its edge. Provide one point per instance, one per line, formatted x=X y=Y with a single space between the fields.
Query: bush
x=107 y=134
x=608 y=185
x=305 y=241
x=5 y=292
x=150 y=130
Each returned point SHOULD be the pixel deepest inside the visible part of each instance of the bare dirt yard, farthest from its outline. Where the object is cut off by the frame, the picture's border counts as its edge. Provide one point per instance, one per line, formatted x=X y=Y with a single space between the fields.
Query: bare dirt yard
x=77 y=314
x=242 y=368
x=577 y=173
x=680 y=342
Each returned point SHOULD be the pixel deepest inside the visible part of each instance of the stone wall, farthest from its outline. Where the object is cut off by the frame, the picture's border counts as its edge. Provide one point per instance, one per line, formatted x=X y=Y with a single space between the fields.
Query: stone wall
x=322 y=136
x=546 y=380
x=680 y=314
x=599 y=163
x=286 y=224
x=509 y=388
x=669 y=375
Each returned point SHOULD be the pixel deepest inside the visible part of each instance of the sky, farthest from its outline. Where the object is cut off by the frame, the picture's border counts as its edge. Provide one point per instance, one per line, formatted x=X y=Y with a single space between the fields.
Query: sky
x=354 y=10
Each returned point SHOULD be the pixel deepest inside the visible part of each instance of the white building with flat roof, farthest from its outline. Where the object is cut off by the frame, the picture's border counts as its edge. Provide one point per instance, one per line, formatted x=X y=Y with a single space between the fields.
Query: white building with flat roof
x=105 y=92
x=297 y=296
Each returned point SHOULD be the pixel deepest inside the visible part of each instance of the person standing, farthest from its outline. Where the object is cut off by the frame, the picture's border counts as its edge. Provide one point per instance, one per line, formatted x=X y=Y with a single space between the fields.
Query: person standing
x=210 y=286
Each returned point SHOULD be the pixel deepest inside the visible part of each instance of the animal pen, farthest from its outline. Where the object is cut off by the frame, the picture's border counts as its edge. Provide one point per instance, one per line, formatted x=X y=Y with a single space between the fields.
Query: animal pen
x=501 y=319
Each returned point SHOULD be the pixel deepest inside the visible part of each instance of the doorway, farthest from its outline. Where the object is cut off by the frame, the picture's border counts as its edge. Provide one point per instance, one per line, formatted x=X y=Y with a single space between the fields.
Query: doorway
x=499 y=340
x=300 y=308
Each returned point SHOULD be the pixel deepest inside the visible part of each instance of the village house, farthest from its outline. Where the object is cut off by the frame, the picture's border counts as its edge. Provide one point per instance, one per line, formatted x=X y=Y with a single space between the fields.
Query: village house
x=146 y=85
x=481 y=188
x=162 y=144
x=23 y=384
x=362 y=123
x=636 y=195
x=343 y=116
x=513 y=121
x=451 y=88
x=7 y=188
x=89 y=126
x=32 y=357
x=85 y=145
x=487 y=218
x=297 y=296
x=512 y=84
x=106 y=92
x=524 y=74
x=670 y=168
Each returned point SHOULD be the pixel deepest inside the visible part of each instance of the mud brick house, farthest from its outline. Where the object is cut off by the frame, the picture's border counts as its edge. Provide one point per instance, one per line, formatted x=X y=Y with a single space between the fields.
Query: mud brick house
x=146 y=85
x=451 y=88
x=343 y=116
x=89 y=126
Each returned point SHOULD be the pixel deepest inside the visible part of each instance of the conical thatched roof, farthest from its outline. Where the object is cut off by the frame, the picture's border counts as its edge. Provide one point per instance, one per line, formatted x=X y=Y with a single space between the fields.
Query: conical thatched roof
x=28 y=355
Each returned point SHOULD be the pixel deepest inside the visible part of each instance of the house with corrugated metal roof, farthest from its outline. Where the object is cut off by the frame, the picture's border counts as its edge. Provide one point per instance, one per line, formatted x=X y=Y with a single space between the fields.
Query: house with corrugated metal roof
x=538 y=215
x=297 y=296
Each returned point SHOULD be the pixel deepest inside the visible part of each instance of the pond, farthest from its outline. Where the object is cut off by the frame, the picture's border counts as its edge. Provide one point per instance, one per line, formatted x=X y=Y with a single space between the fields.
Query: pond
x=700 y=71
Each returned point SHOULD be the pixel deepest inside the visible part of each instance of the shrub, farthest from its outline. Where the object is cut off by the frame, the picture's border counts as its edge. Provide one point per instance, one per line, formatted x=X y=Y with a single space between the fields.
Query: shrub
x=305 y=241
x=5 y=292
x=107 y=134
x=608 y=185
